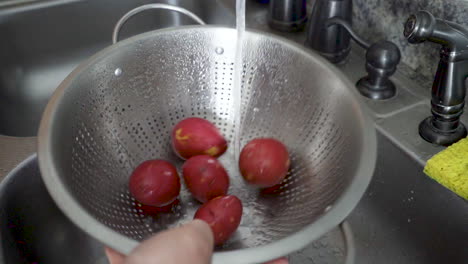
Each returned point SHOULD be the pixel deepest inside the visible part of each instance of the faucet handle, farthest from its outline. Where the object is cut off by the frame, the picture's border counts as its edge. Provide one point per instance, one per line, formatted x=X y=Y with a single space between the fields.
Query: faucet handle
x=383 y=55
x=382 y=59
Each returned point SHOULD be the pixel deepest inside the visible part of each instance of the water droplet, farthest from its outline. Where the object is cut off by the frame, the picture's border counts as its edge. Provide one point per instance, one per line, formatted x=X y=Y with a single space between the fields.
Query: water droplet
x=409 y=220
x=256 y=109
x=219 y=50
x=148 y=221
x=118 y=72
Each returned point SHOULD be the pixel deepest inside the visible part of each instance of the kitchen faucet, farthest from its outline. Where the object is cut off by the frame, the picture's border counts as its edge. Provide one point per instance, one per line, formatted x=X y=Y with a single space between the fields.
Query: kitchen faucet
x=448 y=90
x=332 y=42
x=329 y=33
x=287 y=15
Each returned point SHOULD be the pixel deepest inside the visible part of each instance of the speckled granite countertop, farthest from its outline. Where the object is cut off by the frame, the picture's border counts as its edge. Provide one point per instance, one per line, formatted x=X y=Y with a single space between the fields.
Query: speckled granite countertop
x=13 y=150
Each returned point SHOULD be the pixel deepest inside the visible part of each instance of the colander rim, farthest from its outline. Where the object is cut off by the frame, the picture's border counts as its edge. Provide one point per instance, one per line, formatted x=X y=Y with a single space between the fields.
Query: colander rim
x=329 y=220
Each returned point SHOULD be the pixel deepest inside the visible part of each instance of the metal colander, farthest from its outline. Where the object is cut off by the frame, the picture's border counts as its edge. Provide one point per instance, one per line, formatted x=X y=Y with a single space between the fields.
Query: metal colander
x=117 y=109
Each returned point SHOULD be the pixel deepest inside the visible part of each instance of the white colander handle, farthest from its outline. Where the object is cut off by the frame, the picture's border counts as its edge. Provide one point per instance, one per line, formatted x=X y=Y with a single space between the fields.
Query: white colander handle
x=131 y=13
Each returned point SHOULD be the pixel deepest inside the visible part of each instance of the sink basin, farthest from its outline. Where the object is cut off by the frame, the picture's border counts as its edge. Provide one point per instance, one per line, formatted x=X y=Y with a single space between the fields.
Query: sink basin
x=44 y=41
x=34 y=230
x=404 y=217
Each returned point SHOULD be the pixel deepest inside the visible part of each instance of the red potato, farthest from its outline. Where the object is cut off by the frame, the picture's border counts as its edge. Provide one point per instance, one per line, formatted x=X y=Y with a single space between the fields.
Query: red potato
x=155 y=183
x=153 y=210
x=264 y=162
x=271 y=190
x=205 y=177
x=196 y=136
x=223 y=214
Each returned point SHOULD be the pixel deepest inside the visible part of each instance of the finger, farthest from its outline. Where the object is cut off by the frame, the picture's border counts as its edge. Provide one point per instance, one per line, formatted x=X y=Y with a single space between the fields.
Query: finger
x=282 y=260
x=113 y=256
x=191 y=243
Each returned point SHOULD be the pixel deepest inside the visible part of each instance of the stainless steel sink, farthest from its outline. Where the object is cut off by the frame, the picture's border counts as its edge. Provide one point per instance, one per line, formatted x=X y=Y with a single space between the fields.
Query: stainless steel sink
x=44 y=41
x=34 y=230
x=404 y=217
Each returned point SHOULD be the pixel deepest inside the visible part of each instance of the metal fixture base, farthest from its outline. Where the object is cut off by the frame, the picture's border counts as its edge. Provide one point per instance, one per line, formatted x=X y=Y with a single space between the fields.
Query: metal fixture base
x=282 y=26
x=376 y=92
x=337 y=57
x=433 y=135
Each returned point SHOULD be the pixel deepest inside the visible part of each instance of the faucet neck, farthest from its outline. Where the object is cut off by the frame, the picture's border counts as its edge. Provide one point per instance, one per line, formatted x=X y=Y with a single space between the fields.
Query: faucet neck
x=450 y=35
x=332 y=42
x=451 y=54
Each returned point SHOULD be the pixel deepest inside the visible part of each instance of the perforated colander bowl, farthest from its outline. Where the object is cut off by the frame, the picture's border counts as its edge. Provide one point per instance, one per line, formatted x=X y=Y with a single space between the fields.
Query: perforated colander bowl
x=117 y=109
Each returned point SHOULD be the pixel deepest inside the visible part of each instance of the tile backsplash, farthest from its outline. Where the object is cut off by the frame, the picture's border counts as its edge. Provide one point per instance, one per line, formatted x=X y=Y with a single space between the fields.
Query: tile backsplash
x=383 y=19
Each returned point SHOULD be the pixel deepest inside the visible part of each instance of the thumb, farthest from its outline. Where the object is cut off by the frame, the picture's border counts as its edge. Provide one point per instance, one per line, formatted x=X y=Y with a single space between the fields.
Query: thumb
x=190 y=243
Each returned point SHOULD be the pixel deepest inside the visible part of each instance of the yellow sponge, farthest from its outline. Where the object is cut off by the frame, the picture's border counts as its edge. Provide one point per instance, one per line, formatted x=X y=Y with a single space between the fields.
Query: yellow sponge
x=450 y=168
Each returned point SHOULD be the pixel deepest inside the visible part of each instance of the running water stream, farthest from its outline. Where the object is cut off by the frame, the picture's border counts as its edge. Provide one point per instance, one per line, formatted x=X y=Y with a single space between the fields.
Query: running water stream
x=238 y=66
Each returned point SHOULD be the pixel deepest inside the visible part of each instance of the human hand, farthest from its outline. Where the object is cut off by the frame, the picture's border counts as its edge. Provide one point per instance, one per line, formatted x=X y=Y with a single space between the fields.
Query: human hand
x=190 y=243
